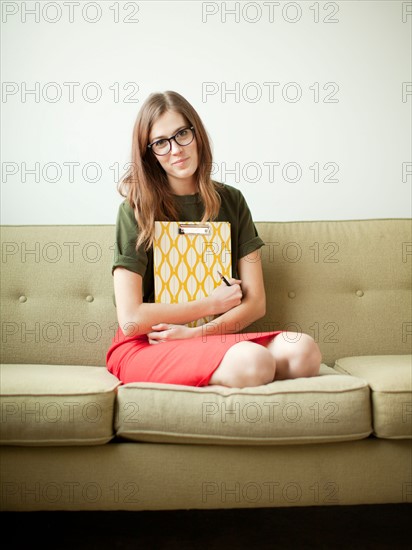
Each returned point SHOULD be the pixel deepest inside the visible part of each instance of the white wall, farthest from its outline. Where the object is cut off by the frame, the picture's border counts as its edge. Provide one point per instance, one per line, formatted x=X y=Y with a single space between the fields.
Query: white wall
x=353 y=73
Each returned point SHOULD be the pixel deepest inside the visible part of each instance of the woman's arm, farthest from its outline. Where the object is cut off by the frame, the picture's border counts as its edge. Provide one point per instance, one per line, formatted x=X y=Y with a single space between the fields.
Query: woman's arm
x=136 y=317
x=252 y=307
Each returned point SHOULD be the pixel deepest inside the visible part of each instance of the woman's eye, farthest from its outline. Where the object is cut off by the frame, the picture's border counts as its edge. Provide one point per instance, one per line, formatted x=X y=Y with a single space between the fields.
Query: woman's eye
x=161 y=143
x=182 y=133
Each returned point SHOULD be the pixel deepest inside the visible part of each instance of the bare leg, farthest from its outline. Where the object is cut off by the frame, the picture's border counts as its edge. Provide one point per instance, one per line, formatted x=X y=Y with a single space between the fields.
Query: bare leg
x=297 y=355
x=245 y=364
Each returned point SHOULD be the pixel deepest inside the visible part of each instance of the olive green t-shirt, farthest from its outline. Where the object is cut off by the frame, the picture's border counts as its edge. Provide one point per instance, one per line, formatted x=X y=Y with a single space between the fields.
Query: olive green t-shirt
x=234 y=209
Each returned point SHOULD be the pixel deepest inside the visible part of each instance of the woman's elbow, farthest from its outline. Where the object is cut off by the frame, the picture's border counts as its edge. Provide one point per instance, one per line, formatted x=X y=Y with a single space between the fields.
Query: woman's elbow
x=131 y=323
x=259 y=308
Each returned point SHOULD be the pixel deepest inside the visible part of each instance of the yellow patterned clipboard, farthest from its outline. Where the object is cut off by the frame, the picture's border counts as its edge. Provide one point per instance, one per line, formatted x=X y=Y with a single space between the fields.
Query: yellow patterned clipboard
x=187 y=257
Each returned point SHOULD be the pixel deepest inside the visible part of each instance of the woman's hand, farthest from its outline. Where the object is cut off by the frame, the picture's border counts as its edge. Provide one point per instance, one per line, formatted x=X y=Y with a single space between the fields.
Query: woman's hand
x=222 y=299
x=164 y=332
x=226 y=297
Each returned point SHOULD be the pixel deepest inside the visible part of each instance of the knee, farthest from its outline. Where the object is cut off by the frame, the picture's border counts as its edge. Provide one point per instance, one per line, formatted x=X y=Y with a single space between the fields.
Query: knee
x=256 y=367
x=308 y=357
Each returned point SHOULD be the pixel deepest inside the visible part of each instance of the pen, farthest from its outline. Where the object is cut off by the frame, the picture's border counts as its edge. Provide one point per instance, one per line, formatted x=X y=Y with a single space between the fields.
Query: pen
x=223 y=279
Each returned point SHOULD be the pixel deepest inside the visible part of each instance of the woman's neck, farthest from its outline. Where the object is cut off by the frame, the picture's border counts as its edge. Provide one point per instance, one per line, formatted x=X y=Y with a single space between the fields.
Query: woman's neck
x=183 y=187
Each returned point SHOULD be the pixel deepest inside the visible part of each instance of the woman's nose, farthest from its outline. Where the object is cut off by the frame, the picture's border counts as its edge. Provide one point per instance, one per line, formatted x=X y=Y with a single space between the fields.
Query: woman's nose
x=175 y=147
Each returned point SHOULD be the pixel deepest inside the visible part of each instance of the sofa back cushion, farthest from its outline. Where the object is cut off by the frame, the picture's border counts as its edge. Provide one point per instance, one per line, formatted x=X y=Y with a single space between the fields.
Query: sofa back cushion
x=346 y=283
x=57 y=294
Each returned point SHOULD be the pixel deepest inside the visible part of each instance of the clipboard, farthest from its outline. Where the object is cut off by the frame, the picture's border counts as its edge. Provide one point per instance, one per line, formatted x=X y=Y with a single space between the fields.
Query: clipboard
x=187 y=257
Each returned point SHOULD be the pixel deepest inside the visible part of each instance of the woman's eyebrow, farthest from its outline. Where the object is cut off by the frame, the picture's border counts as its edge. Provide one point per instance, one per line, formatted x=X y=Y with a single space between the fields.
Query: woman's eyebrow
x=175 y=131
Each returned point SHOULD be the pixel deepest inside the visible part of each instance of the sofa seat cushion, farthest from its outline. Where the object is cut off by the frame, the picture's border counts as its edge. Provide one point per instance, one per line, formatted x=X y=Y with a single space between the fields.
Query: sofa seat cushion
x=56 y=405
x=329 y=407
x=390 y=380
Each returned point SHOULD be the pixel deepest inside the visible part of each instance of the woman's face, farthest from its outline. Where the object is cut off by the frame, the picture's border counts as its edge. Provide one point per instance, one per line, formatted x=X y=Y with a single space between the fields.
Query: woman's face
x=181 y=163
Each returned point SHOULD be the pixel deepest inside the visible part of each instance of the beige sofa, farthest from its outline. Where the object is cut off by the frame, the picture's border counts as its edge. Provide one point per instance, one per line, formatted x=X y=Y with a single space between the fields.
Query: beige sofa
x=73 y=438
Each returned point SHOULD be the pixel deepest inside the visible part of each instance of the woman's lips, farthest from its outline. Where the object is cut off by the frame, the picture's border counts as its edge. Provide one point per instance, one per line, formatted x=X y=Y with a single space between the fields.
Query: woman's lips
x=179 y=162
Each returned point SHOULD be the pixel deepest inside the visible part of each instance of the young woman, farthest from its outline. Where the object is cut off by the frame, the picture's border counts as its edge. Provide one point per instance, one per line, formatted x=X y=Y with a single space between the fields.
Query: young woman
x=169 y=179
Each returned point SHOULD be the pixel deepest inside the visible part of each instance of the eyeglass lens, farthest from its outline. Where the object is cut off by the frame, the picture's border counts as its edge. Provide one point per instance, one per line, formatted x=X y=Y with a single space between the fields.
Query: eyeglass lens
x=183 y=137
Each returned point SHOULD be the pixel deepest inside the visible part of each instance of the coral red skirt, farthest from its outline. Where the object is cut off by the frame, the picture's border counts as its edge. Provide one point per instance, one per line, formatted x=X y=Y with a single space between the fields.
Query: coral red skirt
x=188 y=362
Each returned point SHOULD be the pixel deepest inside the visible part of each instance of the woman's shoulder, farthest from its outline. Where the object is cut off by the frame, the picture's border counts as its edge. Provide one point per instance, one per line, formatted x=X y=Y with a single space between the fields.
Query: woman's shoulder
x=125 y=208
x=125 y=214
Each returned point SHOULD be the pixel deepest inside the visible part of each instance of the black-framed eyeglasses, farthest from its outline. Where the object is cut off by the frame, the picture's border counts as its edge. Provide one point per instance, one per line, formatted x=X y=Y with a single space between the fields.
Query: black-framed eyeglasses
x=163 y=146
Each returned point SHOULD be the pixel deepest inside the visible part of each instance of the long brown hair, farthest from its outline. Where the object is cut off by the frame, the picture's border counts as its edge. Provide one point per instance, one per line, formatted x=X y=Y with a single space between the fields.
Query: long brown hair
x=145 y=184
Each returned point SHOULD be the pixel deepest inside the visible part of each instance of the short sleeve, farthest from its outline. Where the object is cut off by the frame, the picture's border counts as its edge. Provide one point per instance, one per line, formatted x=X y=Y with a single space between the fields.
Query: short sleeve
x=248 y=240
x=125 y=253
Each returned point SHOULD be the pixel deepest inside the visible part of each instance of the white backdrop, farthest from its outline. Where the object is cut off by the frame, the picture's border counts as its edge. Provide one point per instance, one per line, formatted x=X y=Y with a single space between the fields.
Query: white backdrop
x=308 y=104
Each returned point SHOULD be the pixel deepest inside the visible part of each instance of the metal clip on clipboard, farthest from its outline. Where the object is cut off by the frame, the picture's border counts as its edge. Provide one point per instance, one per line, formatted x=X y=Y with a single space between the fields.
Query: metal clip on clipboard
x=194 y=229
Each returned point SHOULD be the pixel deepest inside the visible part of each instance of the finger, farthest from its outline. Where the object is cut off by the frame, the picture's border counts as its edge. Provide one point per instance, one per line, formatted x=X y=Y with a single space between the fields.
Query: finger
x=156 y=340
x=155 y=335
x=160 y=326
